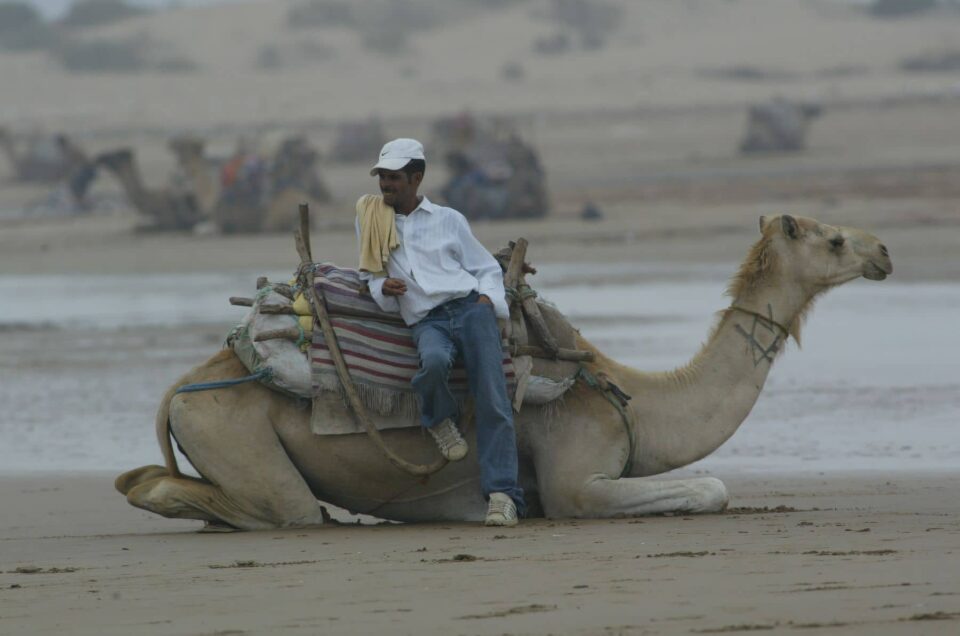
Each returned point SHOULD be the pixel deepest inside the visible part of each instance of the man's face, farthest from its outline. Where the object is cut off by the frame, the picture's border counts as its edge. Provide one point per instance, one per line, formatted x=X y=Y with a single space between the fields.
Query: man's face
x=396 y=186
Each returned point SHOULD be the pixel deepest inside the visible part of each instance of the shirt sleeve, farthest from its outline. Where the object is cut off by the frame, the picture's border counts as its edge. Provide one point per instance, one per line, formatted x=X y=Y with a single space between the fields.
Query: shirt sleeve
x=386 y=303
x=481 y=264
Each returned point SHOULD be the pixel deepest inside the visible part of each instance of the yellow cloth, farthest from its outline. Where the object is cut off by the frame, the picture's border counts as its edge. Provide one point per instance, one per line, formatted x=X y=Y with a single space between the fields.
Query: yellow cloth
x=378 y=234
x=306 y=323
x=301 y=306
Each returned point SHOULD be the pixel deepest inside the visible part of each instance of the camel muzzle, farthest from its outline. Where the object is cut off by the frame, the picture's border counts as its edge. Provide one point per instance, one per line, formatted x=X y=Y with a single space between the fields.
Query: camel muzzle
x=873 y=271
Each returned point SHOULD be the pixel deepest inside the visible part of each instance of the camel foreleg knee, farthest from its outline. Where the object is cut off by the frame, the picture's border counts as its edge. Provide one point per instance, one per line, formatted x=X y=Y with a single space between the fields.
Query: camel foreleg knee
x=601 y=496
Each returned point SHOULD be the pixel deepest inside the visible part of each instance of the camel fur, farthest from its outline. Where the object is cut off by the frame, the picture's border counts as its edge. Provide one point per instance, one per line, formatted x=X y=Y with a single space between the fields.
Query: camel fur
x=263 y=468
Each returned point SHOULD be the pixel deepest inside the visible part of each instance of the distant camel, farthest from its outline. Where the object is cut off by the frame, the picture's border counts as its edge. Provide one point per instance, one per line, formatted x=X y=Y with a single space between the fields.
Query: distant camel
x=44 y=160
x=778 y=126
x=168 y=210
x=264 y=200
x=202 y=175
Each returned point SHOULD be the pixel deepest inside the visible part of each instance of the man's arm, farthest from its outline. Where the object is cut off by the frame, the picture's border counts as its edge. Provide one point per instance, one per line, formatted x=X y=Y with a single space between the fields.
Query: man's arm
x=485 y=268
x=386 y=302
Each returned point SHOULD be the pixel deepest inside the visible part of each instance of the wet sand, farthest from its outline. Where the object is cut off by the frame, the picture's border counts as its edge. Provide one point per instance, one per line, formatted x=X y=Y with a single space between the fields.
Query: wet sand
x=864 y=553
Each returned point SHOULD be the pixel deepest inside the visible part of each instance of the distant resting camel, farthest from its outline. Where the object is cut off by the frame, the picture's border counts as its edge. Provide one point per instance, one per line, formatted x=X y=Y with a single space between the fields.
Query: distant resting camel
x=62 y=157
x=262 y=466
x=291 y=180
x=778 y=126
x=201 y=174
x=167 y=209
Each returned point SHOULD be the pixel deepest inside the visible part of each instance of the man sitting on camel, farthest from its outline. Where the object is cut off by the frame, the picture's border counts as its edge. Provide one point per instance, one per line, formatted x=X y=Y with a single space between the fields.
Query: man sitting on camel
x=422 y=260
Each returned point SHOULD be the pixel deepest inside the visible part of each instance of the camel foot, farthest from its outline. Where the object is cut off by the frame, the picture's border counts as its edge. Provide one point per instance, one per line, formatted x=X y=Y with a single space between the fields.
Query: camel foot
x=214 y=527
x=128 y=480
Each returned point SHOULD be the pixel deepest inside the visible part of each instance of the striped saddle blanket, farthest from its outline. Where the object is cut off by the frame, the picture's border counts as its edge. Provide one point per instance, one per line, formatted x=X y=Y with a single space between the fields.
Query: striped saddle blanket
x=377 y=347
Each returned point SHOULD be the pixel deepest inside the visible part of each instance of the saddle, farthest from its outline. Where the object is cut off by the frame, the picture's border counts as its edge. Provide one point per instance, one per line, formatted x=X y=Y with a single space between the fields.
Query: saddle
x=278 y=335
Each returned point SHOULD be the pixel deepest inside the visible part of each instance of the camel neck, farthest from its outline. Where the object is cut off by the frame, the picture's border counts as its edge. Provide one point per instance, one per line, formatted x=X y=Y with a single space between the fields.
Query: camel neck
x=688 y=413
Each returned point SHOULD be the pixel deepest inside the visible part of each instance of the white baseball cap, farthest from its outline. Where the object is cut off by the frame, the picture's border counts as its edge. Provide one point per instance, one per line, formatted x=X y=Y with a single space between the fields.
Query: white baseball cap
x=397 y=153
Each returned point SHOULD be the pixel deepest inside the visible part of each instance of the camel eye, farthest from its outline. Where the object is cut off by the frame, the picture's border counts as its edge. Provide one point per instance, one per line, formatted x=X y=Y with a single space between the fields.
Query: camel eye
x=836 y=242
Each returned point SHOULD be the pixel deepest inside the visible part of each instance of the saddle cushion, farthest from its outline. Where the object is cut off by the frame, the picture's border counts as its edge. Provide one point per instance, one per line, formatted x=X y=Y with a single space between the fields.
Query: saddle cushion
x=379 y=351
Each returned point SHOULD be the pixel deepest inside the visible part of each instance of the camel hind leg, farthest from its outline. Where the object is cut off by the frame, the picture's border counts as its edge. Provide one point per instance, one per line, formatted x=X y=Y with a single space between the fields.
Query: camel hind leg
x=152 y=488
x=132 y=478
x=250 y=481
x=185 y=498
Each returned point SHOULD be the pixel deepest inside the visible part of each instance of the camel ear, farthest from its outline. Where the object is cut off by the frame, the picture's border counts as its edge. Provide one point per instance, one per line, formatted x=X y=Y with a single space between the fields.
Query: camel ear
x=763 y=222
x=789 y=226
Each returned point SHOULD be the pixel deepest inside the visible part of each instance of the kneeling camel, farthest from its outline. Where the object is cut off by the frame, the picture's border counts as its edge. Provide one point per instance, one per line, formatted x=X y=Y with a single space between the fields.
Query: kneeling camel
x=262 y=467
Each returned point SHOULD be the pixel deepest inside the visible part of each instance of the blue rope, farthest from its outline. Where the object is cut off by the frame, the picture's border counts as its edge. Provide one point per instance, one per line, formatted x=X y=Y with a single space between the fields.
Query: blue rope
x=206 y=386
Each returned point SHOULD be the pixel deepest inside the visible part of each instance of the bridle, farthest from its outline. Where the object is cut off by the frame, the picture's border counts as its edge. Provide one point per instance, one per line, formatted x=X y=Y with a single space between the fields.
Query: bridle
x=769 y=321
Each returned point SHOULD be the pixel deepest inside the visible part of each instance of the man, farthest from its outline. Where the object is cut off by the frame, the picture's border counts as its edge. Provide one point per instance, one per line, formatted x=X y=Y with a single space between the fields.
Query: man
x=449 y=289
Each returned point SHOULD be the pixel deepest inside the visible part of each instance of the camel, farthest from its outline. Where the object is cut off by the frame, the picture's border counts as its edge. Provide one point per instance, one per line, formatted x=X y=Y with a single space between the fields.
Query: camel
x=234 y=215
x=168 y=210
x=201 y=174
x=44 y=160
x=262 y=467
x=778 y=126
x=290 y=178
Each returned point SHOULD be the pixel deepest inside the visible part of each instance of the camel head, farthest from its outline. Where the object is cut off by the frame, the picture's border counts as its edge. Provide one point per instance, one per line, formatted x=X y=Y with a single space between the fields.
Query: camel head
x=819 y=256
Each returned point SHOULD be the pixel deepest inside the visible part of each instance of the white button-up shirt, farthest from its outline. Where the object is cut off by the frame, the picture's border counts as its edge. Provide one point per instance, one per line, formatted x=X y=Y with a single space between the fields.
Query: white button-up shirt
x=439 y=259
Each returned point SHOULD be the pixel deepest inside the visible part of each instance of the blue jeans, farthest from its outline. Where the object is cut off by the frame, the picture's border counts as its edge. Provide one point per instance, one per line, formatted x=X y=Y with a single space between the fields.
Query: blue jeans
x=464 y=327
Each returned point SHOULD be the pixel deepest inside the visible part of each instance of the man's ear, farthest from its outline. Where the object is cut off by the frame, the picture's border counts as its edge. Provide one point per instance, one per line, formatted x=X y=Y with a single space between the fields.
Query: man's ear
x=789 y=226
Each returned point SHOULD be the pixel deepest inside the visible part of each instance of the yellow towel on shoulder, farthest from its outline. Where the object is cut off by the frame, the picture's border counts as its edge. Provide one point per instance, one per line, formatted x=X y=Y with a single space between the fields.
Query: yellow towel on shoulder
x=378 y=234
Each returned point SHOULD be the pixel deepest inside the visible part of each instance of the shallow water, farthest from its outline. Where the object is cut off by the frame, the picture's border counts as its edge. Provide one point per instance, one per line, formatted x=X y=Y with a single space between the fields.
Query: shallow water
x=876 y=386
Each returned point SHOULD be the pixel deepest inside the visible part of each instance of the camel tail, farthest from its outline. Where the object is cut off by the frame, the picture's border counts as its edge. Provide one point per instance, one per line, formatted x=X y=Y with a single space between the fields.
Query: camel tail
x=164 y=436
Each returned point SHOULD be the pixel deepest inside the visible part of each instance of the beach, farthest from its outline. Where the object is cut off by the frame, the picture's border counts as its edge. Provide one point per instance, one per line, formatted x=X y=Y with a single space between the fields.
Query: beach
x=843 y=514
x=832 y=553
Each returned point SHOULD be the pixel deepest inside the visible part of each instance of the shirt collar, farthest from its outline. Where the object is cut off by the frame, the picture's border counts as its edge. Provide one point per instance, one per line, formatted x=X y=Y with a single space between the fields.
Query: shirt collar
x=426 y=205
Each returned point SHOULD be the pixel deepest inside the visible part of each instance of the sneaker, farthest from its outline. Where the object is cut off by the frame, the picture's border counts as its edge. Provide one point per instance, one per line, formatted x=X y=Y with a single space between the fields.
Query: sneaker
x=449 y=440
x=501 y=511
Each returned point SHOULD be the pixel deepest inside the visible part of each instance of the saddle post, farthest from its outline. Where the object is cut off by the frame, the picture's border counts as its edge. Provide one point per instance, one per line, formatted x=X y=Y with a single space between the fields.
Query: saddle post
x=515 y=279
x=322 y=318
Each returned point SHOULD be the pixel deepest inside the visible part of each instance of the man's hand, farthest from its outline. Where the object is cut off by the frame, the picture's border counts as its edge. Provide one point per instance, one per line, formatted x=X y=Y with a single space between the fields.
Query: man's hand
x=484 y=299
x=394 y=287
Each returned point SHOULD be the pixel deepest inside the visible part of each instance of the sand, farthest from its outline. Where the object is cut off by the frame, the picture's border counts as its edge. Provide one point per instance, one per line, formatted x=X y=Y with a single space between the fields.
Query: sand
x=833 y=554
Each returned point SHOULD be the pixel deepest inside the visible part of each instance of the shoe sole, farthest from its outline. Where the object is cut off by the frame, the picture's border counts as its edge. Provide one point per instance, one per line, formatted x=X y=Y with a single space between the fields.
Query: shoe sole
x=505 y=523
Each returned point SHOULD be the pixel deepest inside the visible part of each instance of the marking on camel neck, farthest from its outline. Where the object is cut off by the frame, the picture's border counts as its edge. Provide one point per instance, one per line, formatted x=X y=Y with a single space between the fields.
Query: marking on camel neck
x=759 y=352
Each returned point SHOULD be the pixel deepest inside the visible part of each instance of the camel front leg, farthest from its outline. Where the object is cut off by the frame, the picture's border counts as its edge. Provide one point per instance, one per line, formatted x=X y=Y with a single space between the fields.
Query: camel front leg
x=601 y=496
x=578 y=463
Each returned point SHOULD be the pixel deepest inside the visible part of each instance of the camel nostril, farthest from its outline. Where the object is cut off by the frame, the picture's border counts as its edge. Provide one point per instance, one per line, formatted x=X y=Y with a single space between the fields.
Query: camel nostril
x=883 y=250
